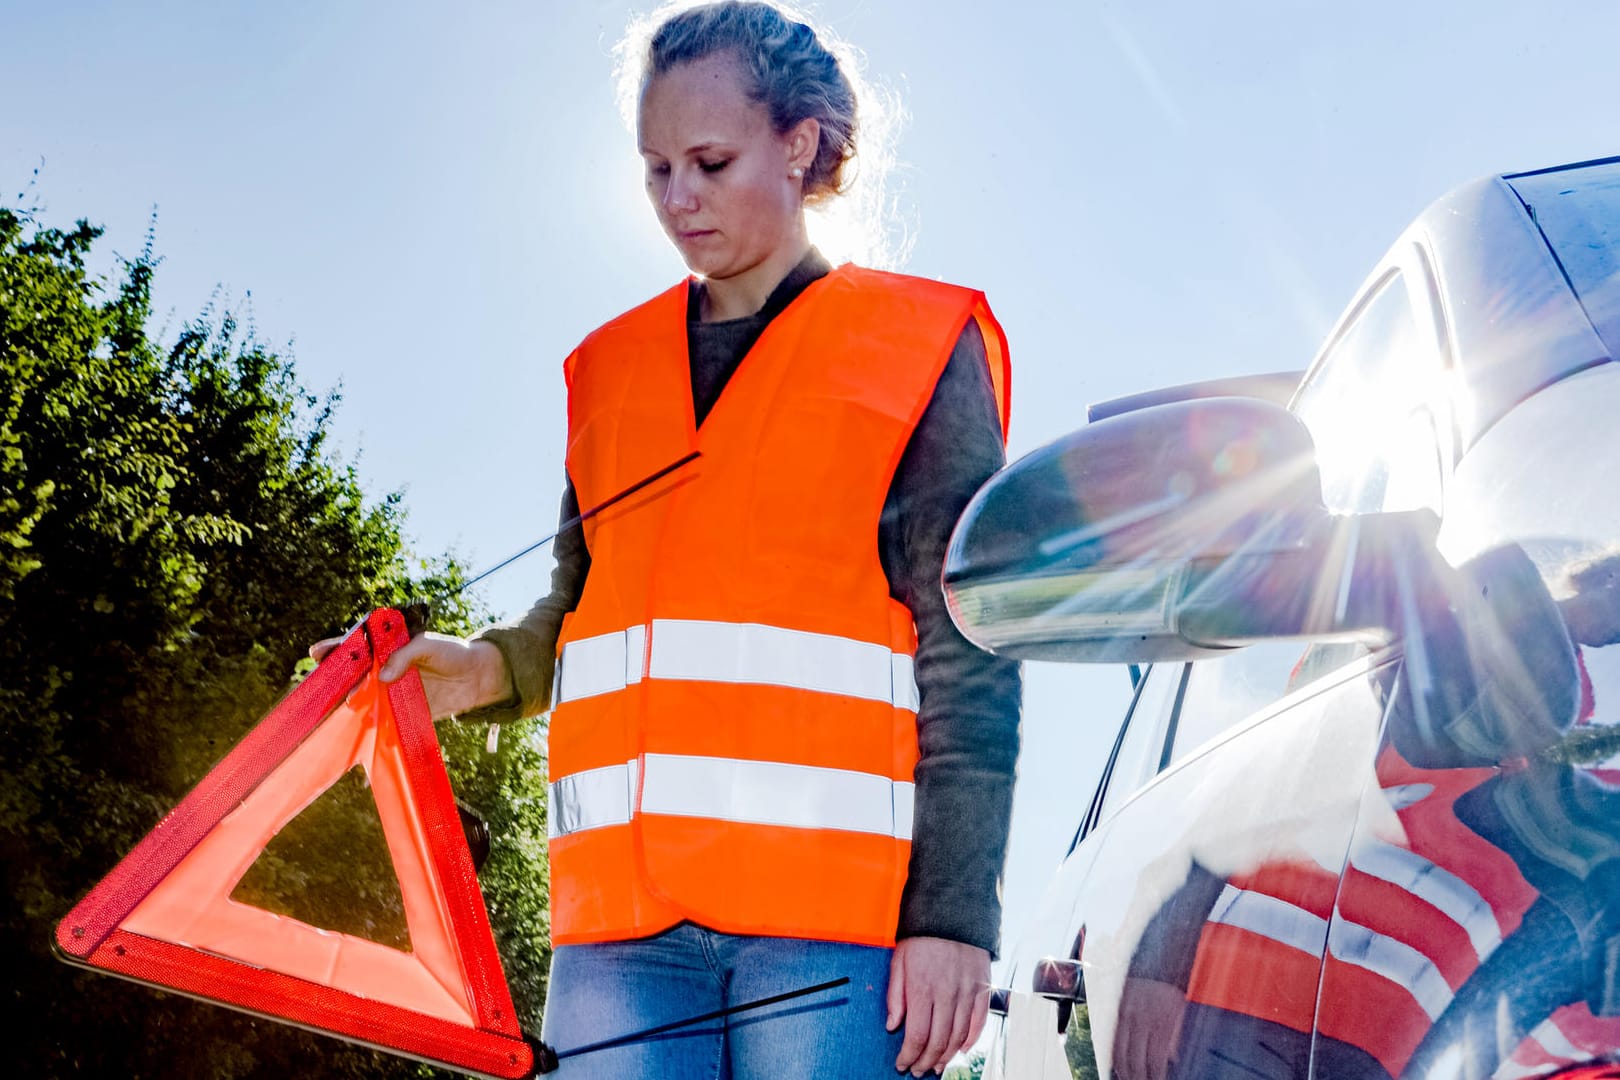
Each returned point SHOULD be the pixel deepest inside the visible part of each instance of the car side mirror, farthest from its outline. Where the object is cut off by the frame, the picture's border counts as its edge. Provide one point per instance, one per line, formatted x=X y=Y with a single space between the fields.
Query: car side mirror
x=1169 y=533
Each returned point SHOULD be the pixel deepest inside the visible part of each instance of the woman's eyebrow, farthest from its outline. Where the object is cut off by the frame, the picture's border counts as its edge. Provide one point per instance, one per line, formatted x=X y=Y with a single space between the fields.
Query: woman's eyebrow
x=699 y=148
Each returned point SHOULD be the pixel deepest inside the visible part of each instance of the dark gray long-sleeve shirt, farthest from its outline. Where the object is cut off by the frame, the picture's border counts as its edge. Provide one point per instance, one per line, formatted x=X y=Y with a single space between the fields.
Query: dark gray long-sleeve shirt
x=969 y=700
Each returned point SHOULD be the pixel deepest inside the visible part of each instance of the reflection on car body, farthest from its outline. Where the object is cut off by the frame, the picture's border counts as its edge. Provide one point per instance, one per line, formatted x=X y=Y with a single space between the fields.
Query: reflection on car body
x=1363 y=816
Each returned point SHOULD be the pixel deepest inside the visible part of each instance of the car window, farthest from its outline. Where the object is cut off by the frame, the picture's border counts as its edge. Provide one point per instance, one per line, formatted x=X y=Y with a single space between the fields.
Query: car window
x=1370 y=408
x=1223 y=691
x=1141 y=749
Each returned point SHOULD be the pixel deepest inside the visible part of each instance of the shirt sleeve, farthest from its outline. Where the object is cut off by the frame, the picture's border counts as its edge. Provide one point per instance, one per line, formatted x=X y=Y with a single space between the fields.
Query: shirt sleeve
x=968 y=718
x=529 y=645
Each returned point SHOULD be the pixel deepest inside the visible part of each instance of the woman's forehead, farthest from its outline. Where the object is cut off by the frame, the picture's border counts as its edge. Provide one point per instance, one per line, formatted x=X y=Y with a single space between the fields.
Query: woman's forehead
x=696 y=104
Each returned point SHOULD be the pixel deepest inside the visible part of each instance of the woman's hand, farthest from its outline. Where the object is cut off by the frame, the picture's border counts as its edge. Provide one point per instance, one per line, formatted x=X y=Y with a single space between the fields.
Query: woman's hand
x=457 y=675
x=941 y=989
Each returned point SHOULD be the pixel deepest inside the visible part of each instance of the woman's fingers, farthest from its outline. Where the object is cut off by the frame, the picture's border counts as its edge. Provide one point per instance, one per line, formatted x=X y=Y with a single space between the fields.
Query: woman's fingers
x=940 y=981
x=424 y=651
x=457 y=675
x=319 y=650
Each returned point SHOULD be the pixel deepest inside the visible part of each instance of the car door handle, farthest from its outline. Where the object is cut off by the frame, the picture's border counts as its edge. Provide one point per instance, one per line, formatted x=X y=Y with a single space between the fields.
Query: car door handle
x=1059 y=980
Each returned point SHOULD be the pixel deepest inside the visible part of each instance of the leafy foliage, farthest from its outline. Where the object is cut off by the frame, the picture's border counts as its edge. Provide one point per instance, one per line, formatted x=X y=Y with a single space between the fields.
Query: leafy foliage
x=1077 y=1051
x=1584 y=744
x=173 y=534
x=1077 y=1045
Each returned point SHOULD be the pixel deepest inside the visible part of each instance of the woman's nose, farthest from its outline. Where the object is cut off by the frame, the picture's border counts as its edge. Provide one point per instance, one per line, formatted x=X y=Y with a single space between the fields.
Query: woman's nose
x=679 y=194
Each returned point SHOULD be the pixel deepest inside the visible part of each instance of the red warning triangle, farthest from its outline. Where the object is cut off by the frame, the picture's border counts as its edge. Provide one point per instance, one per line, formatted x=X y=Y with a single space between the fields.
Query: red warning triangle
x=165 y=916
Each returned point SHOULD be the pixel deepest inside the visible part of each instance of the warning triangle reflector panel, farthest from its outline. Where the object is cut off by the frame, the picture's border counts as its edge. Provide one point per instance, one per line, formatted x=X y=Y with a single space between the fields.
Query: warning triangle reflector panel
x=165 y=915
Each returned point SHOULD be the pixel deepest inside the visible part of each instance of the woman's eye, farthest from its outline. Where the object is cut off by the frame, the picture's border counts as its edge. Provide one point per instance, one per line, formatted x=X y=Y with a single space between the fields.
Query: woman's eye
x=714 y=166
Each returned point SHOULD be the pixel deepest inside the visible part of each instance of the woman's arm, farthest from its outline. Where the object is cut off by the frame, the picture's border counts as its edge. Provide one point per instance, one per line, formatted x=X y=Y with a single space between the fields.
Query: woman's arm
x=528 y=647
x=503 y=672
x=969 y=713
x=967 y=727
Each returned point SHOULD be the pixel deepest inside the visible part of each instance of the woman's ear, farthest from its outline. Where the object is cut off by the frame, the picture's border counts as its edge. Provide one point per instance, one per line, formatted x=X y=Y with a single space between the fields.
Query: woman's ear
x=803 y=140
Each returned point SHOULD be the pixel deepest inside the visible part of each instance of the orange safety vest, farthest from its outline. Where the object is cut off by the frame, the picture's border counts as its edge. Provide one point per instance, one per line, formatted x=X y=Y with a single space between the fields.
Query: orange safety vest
x=733 y=733
x=1417 y=913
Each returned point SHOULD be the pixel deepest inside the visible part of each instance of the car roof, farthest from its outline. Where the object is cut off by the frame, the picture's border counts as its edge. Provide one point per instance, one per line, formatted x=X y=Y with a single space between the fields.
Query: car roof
x=1514 y=323
x=1577 y=210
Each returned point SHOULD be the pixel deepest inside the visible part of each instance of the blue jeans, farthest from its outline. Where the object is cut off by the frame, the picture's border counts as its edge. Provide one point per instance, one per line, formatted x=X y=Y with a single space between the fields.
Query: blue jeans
x=601 y=991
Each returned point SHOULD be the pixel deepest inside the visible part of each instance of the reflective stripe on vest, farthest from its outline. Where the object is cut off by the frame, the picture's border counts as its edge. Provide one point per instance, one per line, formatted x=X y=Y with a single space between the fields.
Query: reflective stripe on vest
x=728 y=789
x=1271 y=918
x=1393 y=960
x=1293 y=926
x=1412 y=873
x=591 y=799
x=709 y=651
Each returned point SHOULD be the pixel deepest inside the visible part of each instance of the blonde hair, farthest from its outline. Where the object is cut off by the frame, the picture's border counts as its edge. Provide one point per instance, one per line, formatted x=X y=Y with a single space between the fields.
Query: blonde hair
x=795 y=72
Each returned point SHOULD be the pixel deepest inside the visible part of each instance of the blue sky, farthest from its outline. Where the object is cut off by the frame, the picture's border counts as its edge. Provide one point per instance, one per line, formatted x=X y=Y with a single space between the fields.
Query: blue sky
x=432 y=203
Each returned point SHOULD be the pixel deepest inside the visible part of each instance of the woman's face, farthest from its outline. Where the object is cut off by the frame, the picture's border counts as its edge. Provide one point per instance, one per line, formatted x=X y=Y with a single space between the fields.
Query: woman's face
x=718 y=174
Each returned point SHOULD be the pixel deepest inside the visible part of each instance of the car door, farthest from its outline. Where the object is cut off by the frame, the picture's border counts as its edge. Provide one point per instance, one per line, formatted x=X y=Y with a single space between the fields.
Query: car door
x=1137 y=897
x=1224 y=770
x=1032 y=1040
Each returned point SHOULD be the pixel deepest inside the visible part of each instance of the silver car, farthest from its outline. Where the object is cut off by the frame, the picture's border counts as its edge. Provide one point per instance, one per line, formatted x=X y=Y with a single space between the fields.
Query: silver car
x=1362 y=818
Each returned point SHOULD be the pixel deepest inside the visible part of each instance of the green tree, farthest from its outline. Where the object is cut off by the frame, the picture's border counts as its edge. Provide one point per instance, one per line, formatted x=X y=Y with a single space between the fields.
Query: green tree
x=971 y=1069
x=173 y=533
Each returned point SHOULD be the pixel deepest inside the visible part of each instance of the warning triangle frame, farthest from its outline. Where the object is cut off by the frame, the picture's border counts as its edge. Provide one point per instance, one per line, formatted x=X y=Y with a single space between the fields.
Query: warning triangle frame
x=94 y=934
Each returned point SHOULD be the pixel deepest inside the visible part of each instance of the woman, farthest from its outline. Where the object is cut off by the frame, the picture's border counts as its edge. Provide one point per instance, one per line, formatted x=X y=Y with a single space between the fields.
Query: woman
x=751 y=790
